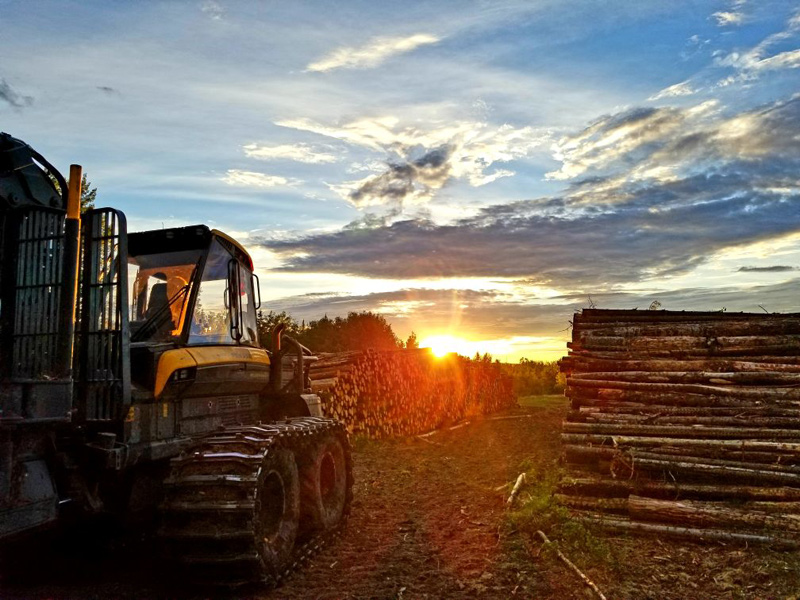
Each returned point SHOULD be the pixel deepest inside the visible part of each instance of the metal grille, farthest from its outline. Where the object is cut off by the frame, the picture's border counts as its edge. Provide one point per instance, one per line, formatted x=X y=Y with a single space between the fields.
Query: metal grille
x=103 y=362
x=37 y=303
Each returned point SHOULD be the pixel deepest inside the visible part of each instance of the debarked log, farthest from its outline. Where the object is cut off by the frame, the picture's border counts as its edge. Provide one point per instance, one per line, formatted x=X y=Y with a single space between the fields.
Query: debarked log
x=616 y=488
x=740 y=392
x=592 y=396
x=771 y=461
x=641 y=441
x=682 y=431
x=687 y=420
x=740 y=327
x=615 y=505
x=699 y=377
x=628 y=468
x=665 y=410
x=755 y=344
x=684 y=512
x=619 y=525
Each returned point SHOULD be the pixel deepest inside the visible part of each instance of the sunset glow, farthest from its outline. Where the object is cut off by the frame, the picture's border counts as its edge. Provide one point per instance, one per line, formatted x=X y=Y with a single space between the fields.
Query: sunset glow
x=442 y=345
x=414 y=167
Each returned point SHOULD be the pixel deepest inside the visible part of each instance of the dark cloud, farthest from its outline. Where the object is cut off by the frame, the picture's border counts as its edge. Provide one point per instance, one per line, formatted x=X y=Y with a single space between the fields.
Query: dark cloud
x=417 y=177
x=609 y=229
x=12 y=97
x=592 y=248
x=771 y=269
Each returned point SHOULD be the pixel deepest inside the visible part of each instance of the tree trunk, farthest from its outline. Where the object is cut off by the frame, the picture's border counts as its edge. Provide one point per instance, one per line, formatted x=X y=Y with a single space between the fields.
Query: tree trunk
x=615 y=488
x=636 y=441
x=702 y=515
x=623 y=466
x=680 y=431
x=626 y=526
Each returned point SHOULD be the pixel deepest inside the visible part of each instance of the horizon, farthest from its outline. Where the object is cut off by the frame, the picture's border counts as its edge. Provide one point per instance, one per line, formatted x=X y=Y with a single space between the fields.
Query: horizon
x=473 y=173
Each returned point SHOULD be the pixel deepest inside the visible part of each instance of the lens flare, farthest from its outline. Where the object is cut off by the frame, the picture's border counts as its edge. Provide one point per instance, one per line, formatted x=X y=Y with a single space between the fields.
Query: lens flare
x=442 y=345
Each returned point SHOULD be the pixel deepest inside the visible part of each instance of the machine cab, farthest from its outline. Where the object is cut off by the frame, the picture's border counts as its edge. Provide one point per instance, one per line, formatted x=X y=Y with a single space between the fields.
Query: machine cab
x=190 y=286
x=193 y=300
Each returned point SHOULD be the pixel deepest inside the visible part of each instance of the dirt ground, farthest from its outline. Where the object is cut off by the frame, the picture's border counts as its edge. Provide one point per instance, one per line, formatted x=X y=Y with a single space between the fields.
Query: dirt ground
x=429 y=521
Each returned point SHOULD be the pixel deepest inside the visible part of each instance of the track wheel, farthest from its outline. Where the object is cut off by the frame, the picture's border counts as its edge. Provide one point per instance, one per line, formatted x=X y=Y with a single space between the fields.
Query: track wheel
x=324 y=483
x=277 y=509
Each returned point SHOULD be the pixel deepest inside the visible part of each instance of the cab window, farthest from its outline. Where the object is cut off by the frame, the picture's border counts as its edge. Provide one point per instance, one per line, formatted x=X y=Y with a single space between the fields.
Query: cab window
x=216 y=302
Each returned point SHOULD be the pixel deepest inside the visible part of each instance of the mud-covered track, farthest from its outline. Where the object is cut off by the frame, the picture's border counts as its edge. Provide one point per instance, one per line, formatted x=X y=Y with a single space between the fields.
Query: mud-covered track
x=232 y=505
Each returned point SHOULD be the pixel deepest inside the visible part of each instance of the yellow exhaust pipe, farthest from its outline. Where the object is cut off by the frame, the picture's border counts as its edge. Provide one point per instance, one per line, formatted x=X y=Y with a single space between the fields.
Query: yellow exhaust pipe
x=74 y=194
x=72 y=237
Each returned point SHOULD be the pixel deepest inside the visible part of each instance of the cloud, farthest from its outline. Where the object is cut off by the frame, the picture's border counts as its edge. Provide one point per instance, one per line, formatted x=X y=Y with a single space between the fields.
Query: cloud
x=371 y=54
x=727 y=18
x=753 y=62
x=237 y=177
x=107 y=90
x=213 y=10
x=416 y=181
x=12 y=97
x=771 y=269
x=420 y=162
x=679 y=89
x=630 y=134
x=662 y=190
x=297 y=152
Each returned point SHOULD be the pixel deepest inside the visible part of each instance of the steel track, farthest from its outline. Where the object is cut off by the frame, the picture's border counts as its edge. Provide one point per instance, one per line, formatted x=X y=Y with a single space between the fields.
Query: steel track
x=211 y=510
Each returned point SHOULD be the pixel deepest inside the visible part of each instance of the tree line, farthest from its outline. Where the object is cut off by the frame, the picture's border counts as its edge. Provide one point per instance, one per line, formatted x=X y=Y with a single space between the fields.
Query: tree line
x=367 y=330
x=357 y=331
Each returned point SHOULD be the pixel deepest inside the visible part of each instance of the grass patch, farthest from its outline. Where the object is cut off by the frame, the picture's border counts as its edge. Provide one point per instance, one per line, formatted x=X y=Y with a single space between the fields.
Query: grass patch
x=537 y=508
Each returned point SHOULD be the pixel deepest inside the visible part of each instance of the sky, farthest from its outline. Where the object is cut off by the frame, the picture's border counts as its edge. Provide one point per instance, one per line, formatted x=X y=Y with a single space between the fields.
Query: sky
x=473 y=171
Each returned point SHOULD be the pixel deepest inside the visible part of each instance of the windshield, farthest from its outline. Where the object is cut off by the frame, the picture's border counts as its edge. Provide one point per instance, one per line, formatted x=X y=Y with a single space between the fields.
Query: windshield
x=212 y=317
x=158 y=294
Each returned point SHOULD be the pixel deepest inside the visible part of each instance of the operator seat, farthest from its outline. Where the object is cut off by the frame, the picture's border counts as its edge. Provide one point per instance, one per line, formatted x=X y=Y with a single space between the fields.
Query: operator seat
x=157 y=305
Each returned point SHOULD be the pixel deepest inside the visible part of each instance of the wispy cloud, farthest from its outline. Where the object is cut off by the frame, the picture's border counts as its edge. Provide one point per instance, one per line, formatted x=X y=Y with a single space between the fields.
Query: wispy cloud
x=679 y=89
x=372 y=53
x=727 y=18
x=735 y=15
x=297 y=152
x=213 y=10
x=770 y=269
x=420 y=162
x=12 y=97
x=237 y=177
x=633 y=134
x=758 y=59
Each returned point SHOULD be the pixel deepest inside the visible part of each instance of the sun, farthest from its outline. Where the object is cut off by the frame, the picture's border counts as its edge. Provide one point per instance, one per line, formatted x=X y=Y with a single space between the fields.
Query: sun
x=442 y=345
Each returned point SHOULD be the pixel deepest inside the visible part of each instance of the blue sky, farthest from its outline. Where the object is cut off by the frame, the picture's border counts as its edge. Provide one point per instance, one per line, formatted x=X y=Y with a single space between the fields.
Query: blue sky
x=472 y=169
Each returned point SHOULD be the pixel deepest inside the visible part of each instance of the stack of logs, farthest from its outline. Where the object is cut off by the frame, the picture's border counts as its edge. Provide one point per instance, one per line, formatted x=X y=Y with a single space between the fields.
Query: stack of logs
x=406 y=392
x=685 y=423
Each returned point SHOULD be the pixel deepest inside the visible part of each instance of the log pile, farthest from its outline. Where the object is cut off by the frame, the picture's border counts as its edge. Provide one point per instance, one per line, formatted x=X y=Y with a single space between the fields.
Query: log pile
x=406 y=392
x=685 y=423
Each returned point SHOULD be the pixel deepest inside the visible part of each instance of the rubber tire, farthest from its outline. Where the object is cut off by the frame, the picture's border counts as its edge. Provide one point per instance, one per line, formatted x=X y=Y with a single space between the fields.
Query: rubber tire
x=277 y=510
x=324 y=484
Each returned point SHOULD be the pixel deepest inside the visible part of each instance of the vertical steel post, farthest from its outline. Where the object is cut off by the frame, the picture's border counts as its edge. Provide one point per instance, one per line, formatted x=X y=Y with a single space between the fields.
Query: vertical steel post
x=72 y=234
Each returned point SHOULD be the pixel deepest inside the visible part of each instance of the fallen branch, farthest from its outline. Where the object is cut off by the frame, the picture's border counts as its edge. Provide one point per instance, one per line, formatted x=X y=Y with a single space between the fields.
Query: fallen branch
x=429 y=434
x=503 y=418
x=572 y=566
x=459 y=426
x=515 y=490
x=427 y=441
